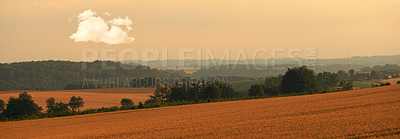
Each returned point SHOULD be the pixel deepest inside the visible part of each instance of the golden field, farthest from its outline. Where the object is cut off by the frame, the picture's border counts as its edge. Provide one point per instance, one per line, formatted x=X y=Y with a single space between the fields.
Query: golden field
x=93 y=98
x=391 y=81
x=372 y=112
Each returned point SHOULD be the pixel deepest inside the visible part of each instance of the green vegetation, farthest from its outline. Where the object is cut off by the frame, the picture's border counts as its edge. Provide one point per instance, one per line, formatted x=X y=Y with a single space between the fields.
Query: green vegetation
x=398 y=82
x=328 y=80
x=2 y=105
x=192 y=92
x=125 y=102
x=296 y=81
x=58 y=75
x=21 y=106
x=299 y=79
x=75 y=103
x=362 y=84
x=243 y=86
x=257 y=90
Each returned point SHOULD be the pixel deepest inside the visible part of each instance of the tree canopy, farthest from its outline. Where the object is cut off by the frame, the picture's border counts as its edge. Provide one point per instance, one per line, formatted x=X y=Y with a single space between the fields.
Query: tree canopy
x=299 y=79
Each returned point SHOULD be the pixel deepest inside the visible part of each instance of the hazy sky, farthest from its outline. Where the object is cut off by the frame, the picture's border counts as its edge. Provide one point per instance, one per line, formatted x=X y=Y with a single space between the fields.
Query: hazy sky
x=41 y=30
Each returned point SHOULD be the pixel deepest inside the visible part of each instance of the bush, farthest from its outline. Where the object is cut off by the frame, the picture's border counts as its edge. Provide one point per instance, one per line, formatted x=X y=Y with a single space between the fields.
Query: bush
x=387 y=83
x=398 y=82
x=22 y=106
x=125 y=102
x=141 y=105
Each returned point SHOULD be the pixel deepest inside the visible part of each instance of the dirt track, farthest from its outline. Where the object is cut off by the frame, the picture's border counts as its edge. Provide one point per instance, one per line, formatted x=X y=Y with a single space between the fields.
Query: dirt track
x=372 y=112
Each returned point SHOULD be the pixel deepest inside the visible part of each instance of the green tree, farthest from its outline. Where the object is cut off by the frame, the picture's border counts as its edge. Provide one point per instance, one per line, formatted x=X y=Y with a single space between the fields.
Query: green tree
x=374 y=75
x=126 y=102
x=352 y=73
x=2 y=105
x=212 y=92
x=76 y=102
x=327 y=80
x=61 y=107
x=299 y=79
x=21 y=106
x=160 y=94
x=51 y=104
x=273 y=85
x=141 y=105
x=257 y=90
x=342 y=75
x=346 y=85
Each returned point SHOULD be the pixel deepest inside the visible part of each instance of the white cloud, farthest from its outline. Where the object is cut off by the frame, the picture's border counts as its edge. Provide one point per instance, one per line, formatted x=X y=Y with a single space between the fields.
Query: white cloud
x=96 y=29
x=107 y=13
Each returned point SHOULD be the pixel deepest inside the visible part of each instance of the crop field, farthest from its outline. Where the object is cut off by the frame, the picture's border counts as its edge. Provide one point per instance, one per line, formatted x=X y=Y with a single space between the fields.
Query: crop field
x=372 y=112
x=391 y=81
x=93 y=98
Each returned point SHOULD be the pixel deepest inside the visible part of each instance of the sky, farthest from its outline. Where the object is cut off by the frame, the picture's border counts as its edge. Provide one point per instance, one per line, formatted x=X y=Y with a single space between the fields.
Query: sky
x=54 y=30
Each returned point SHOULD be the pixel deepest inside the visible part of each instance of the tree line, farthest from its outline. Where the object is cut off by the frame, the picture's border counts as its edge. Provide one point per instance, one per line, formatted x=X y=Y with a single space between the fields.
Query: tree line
x=58 y=75
x=302 y=80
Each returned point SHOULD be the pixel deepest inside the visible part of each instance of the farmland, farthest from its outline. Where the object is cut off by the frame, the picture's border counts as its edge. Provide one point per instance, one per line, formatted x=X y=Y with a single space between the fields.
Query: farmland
x=94 y=98
x=372 y=112
x=391 y=81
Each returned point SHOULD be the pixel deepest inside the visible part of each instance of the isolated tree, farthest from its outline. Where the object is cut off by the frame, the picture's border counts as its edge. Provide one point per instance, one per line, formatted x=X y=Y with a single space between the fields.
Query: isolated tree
x=21 y=106
x=256 y=90
x=51 y=104
x=373 y=75
x=299 y=79
x=126 y=102
x=2 y=105
x=75 y=103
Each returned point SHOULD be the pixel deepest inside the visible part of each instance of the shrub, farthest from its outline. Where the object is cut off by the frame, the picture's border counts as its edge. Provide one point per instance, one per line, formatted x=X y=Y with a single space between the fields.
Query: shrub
x=141 y=105
x=387 y=83
x=398 y=82
x=125 y=102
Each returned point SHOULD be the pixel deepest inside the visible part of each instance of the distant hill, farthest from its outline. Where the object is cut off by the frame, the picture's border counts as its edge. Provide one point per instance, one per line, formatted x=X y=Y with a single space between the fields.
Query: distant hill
x=355 y=60
x=55 y=75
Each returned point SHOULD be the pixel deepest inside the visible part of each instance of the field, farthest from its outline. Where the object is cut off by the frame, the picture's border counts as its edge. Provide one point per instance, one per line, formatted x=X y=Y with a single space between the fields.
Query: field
x=93 y=98
x=372 y=112
x=362 y=84
x=392 y=81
